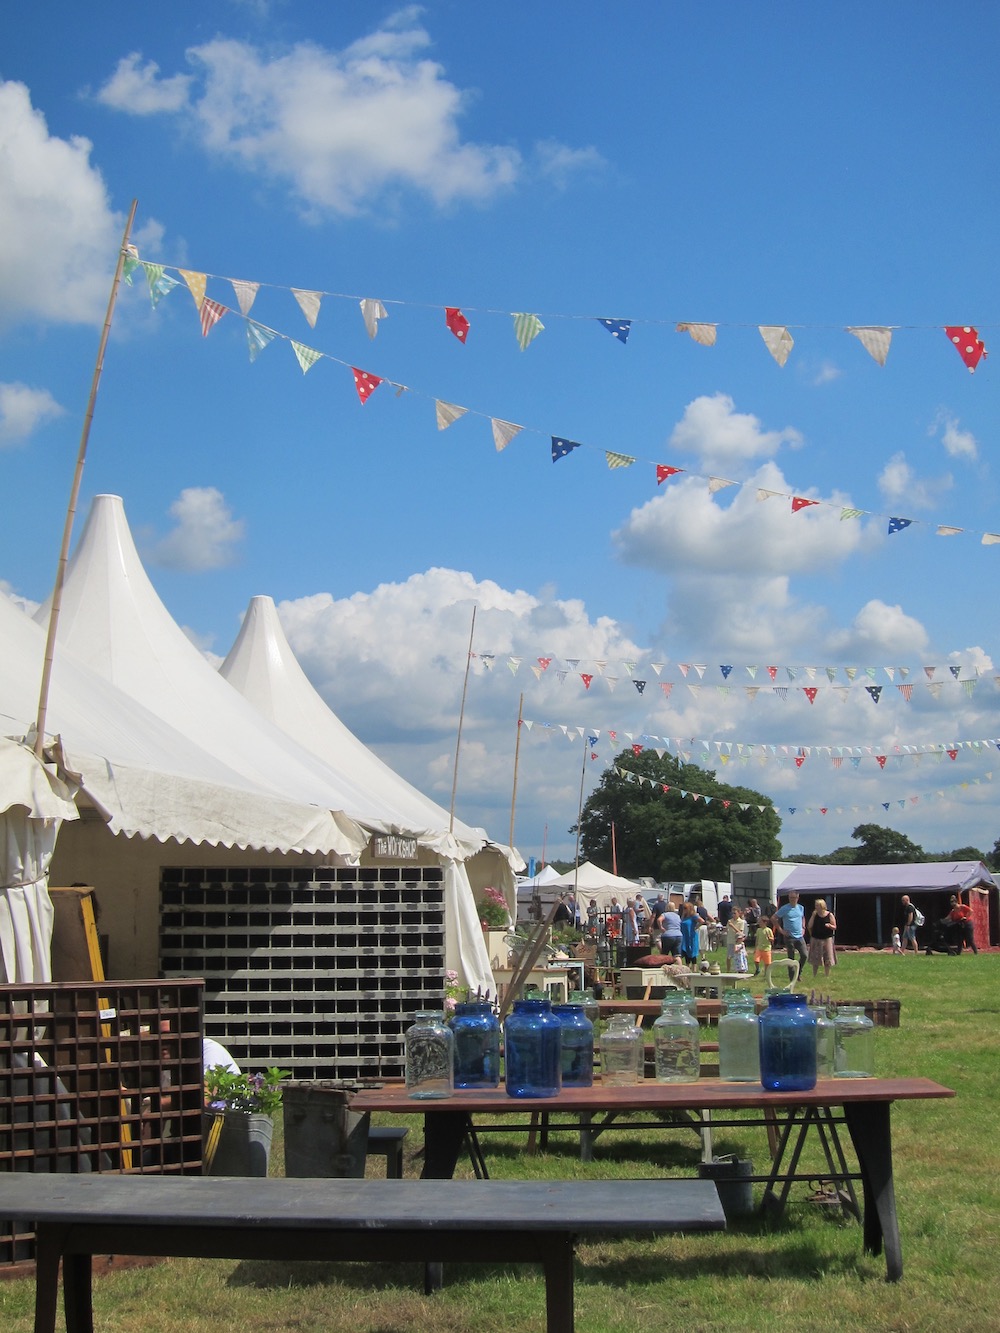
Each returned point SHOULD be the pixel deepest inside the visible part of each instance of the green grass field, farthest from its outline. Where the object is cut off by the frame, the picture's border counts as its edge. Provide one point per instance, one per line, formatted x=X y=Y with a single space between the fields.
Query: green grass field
x=806 y=1272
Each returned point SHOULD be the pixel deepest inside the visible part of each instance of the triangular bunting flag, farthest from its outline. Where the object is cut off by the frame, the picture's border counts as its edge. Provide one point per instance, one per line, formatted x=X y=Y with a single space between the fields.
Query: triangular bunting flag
x=618 y=460
x=447 y=413
x=906 y=691
x=618 y=328
x=990 y=538
x=875 y=691
x=211 y=313
x=160 y=283
x=560 y=448
x=850 y=513
x=526 y=329
x=810 y=691
x=364 y=383
x=968 y=344
x=456 y=321
x=875 y=341
x=196 y=284
x=307 y=356
x=503 y=432
x=246 y=294
x=943 y=531
x=898 y=524
x=586 y=680
x=701 y=333
x=777 y=340
x=371 y=312
x=308 y=304
x=666 y=686
x=640 y=685
x=719 y=484
x=800 y=502
x=763 y=494
x=663 y=472
x=257 y=338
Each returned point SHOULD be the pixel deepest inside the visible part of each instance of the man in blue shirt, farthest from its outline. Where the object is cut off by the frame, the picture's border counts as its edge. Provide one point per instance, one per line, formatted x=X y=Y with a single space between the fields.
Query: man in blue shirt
x=790 y=918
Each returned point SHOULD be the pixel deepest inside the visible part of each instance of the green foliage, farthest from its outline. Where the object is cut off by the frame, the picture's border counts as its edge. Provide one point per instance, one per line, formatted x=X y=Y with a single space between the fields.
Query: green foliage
x=884 y=846
x=668 y=836
x=493 y=910
x=261 y=1093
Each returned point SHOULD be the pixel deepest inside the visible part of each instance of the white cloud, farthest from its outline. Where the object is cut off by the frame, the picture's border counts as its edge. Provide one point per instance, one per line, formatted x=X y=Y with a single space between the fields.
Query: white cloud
x=28 y=607
x=22 y=410
x=559 y=163
x=138 y=88
x=881 y=633
x=901 y=486
x=205 y=535
x=959 y=443
x=341 y=129
x=826 y=373
x=712 y=429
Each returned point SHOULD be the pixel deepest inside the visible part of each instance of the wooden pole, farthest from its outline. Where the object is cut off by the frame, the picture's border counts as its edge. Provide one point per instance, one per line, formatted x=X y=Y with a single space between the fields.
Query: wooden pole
x=50 y=641
x=579 y=817
x=517 y=753
x=461 y=718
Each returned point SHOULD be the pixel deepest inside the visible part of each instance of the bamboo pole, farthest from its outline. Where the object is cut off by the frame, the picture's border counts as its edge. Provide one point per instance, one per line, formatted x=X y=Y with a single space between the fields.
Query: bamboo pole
x=517 y=753
x=461 y=719
x=50 y=641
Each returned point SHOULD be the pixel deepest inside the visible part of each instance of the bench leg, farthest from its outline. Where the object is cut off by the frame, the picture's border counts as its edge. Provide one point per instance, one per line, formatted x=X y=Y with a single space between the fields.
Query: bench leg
x=46 y=1278
x=557 y=1262
x=868 y=1123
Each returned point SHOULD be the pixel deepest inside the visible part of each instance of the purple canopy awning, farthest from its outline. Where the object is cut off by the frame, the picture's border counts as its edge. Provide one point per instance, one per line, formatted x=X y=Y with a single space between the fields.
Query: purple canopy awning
x=923 y=877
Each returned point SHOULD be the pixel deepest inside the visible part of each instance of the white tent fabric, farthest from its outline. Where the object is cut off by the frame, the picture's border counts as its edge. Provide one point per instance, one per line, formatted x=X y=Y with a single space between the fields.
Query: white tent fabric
x=32 y=805
x=907 y=877
x=146 y=778
x=593 y=882
x=263 y=667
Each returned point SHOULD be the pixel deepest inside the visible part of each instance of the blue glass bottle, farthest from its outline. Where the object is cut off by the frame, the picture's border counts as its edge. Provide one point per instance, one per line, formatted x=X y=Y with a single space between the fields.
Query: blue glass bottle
x=532 y=1038
x=477 y=1045
x=788 y=1044
x=577 y=1045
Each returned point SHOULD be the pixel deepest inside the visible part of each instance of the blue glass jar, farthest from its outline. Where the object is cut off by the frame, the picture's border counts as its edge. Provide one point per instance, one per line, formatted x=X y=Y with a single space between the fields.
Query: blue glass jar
x=532 y=1039
x=477 y=1045
x=577 y=1045
x=788 y=1044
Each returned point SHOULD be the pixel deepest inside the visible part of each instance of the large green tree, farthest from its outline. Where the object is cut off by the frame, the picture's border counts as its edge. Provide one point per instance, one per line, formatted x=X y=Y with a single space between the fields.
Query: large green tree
x=884 y=846
x=669 y=836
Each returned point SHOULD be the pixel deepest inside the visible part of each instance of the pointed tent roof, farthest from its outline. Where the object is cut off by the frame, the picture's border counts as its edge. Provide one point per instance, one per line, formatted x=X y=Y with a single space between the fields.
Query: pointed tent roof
x=146 y=778
x=113 y=620
x=263 y=668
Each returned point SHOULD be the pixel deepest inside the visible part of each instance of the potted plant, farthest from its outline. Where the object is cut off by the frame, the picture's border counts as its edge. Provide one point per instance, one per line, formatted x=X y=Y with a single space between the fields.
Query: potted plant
x=494 y=917
x=239 y=1110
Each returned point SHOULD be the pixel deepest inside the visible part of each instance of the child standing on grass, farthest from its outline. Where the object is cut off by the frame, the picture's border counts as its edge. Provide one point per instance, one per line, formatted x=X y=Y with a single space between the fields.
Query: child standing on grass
x=736 y=934
x=762 y=947
x=897 y=943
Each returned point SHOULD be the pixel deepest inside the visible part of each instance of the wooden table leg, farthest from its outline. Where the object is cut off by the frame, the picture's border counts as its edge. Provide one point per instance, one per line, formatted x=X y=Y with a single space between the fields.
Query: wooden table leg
x=78 y=1293
x=46 y=1278
x=869 y=1126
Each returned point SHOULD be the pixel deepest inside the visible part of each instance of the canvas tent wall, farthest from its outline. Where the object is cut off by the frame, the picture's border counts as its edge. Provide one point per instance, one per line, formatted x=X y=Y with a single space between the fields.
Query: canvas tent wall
x=593 y=882
x=866 y=899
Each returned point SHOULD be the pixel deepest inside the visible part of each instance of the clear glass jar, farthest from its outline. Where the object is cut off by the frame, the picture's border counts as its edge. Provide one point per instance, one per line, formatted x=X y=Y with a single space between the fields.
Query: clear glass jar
x=590 y=1005
x=622 y=1052
x=429 y=1057
x=825 y=1041
x=787 y=1044
x=854 y=1053
x=677 y=1040
x=739 y=1038
x=477 y=1045
x=577 y=1045
x=532 y=1038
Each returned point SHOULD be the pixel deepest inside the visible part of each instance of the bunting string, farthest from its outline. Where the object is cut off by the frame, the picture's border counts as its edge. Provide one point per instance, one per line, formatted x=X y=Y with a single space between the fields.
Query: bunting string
x=742 y=753
x=526 y=328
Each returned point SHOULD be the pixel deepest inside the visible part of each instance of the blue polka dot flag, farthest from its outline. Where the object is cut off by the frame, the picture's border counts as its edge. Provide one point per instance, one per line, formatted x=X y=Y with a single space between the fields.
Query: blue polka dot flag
x=898 y=524
x=618 y=328
x=560 y=448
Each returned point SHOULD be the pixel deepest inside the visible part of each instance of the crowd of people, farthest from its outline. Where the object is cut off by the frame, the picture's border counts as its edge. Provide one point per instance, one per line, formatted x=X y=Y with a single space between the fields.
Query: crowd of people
x=687 y=930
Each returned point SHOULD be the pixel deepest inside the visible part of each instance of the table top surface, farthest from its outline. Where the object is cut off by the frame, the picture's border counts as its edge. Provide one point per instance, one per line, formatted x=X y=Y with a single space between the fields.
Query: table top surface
x=704 y=1094
x=206 y=1202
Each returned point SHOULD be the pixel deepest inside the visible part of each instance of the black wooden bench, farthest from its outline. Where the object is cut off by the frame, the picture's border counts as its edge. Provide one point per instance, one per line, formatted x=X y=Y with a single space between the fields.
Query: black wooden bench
x=423 y=1221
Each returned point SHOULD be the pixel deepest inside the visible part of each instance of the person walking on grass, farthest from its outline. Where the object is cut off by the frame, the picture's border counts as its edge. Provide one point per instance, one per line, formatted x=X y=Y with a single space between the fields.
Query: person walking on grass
x=790 y=920
x=822 y=927
x=909 y=932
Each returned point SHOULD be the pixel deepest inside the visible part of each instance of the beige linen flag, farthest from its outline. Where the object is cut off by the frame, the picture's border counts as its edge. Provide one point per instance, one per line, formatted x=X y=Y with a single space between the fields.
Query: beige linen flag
x=447 y=413
x=371 y=312
x=503 y=432
x=777 y=340
x=309 y=304
x=701 y=333
x=875 y=340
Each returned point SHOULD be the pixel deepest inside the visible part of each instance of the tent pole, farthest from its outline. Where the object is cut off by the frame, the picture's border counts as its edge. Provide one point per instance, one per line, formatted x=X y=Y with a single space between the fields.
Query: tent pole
x=461 y=718
x=517 y=752
x=50 y=641
x=579 y=817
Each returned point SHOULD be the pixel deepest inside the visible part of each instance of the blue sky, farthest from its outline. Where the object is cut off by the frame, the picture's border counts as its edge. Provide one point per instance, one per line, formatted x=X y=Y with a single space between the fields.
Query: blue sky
x=815 y=168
